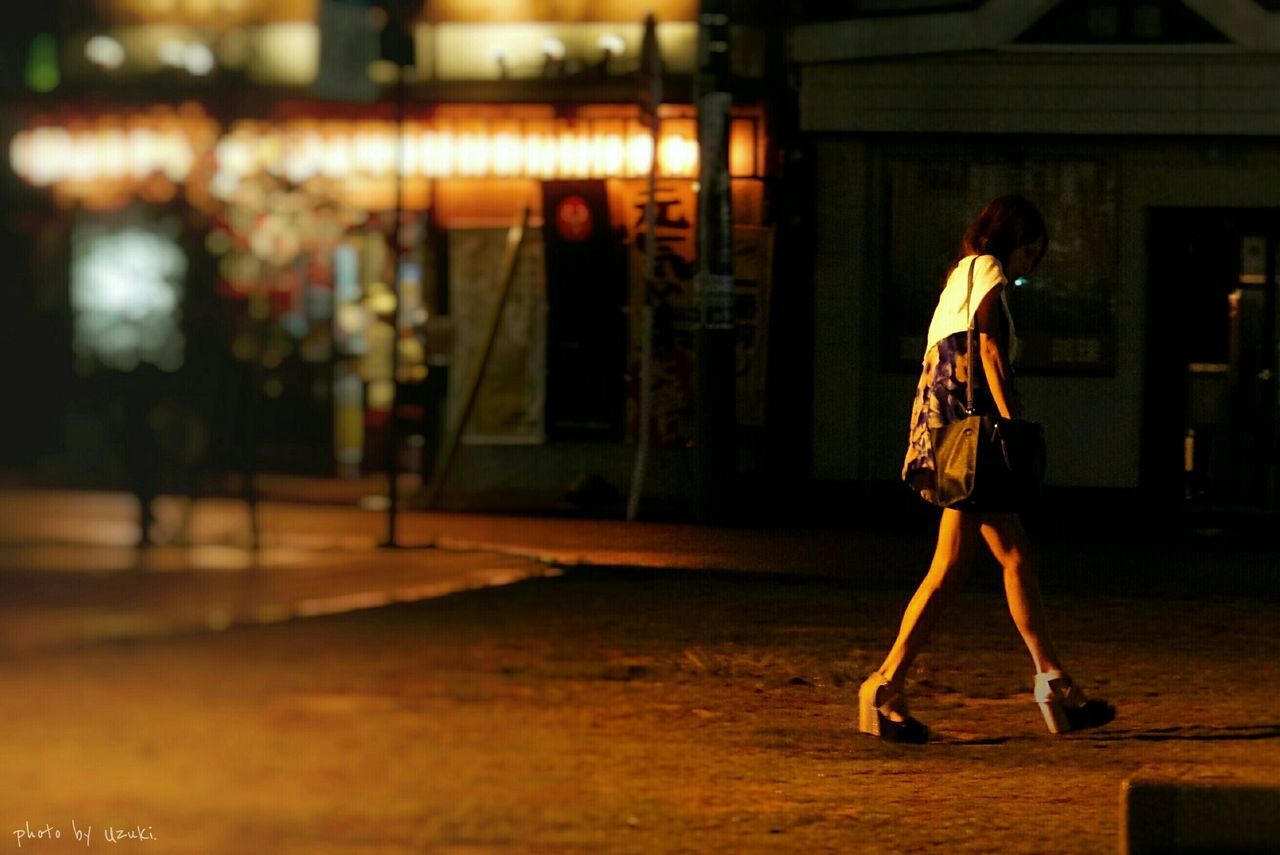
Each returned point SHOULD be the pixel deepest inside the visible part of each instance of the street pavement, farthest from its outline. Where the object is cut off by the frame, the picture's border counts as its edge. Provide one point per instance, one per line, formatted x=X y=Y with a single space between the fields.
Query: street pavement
x=70 y=570
x=523 y=684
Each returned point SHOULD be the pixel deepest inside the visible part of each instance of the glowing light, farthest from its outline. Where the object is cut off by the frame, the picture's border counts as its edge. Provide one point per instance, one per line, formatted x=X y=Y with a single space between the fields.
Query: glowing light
x=198 y=59
x=473 y=155
x=42 y=72
x=677 y=155
x=410 y=156
x=51 y=155
x=575 y=155
x=438 y=154
x=462 y=49
x=306 y=158
x=112 y=153
x=374 y=153
x=126 y=294
x=553 y=48
x=612 y=43
x=172 y=53
x=287 y=53
x=742 y=148
x=540 y=159
x=337 y=157
x=507 y=154
x=381 y=301
x=639 y=154
x=104 y=51
x=608 y=154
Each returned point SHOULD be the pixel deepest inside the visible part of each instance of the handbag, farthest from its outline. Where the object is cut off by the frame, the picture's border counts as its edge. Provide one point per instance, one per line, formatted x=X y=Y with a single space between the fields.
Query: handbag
x=986 y=462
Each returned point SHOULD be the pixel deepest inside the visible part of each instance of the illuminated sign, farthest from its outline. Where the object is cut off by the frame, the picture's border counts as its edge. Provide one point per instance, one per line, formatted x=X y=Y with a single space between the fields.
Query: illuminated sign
x=127 y=281
x=111 y=155
x=215 y=13
x=109 y=159
x=503 y=11
x=463 y=51
x=241 y=11
x=299 y=151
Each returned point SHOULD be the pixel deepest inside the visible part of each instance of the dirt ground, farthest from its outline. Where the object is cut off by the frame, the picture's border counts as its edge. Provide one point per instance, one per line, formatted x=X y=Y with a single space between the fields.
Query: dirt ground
x=623 y=711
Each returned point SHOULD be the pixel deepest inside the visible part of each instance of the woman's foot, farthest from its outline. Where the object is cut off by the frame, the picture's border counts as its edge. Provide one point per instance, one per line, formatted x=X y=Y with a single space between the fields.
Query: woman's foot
x=882 y=712
x=1065 y=707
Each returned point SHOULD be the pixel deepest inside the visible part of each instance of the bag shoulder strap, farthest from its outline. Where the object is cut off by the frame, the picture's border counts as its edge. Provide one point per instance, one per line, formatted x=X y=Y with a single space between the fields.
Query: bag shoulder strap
x=968 y=346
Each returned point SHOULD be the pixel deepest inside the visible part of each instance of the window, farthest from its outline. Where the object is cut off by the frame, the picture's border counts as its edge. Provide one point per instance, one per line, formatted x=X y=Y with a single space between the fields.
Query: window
x=1064 y=312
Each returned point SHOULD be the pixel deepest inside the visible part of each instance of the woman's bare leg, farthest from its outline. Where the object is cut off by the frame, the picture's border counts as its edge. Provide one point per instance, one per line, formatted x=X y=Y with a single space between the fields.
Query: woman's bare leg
x=957 y=541
x=1011 y=547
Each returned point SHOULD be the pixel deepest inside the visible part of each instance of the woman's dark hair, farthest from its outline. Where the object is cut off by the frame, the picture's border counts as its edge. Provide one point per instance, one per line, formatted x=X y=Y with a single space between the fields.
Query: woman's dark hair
x=1007 y=223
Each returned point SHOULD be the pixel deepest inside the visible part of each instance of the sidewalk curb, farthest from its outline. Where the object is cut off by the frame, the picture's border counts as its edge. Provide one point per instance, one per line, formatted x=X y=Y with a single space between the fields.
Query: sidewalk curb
x=577 y=558
x=215 y=620
x=1184 y=808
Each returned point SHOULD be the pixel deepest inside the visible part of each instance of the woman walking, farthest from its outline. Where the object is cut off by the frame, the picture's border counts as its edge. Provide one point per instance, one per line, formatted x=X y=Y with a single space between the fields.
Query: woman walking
x=1006 y=241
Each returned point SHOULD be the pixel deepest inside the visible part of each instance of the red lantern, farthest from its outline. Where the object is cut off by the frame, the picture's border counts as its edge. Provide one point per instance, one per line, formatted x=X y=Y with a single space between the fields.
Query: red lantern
x=573 y=219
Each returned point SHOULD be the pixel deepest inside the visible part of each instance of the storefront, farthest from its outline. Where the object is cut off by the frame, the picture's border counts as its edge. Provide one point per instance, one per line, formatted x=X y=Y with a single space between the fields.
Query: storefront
x=260 y=228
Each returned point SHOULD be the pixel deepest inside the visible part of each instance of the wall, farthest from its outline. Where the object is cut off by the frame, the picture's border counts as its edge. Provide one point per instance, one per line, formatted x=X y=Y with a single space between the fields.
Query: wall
x=1094 y=424
x=1182 y=128
x=1209 y=92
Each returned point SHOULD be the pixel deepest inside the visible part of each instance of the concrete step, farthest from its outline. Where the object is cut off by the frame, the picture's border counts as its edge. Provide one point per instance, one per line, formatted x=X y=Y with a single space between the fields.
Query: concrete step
x=1194 y=808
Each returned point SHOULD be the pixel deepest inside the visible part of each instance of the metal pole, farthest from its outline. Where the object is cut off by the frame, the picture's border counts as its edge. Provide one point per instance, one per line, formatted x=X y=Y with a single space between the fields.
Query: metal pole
x=651 y=99
x=397 y=253
x=716 y=359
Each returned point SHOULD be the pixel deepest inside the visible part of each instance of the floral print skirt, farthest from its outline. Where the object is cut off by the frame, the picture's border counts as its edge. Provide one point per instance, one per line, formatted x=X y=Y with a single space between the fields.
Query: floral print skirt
x=940 y=400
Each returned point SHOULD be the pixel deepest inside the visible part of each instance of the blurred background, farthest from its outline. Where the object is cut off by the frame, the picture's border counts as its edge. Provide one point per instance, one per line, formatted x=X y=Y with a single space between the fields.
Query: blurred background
x=301 y=243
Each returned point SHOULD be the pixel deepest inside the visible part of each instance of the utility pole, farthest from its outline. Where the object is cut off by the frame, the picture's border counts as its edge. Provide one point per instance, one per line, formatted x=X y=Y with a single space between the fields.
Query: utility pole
x=396 y=43
x=716 y=335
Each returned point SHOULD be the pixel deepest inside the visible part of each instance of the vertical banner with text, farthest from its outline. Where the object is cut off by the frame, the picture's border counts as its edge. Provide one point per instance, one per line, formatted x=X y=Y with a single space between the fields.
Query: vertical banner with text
x=673 y=296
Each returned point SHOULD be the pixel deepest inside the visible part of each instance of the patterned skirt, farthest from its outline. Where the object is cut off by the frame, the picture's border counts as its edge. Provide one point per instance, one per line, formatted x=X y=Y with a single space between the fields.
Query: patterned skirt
x=940 y=400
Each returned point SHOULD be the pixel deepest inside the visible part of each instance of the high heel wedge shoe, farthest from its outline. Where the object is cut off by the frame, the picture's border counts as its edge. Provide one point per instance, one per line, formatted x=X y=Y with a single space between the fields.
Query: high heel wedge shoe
x=1065 y=707
x=878 y=702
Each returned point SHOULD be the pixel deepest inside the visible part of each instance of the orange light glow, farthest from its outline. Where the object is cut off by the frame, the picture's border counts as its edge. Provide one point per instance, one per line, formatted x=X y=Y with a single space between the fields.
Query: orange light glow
x=220 y=14
x=123 y=152
x=538 y=11
x=105 y=160
x=572 y=149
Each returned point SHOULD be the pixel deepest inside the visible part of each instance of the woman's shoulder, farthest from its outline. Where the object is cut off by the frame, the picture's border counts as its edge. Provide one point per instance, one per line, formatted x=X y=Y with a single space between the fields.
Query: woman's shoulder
x=987 y=272
x=981 y=263
x=987 y=268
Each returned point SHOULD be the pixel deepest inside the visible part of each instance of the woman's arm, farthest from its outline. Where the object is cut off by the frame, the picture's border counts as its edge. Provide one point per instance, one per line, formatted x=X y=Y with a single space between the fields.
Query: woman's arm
x=995 y=364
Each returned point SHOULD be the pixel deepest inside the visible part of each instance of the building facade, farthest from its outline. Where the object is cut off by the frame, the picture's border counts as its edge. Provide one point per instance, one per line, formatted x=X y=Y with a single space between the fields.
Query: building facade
x=1146 y=131
x=213 y=201
x=249 y=205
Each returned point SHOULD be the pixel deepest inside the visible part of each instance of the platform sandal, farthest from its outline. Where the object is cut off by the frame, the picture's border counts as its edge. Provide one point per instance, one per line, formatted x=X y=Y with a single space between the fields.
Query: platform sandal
x=1065 y=707
x=877 y=702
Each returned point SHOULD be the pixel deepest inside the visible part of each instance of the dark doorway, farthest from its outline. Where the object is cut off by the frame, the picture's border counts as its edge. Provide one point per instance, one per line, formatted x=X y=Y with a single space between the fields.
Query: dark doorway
x=1210 y=414
x=586 y=328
